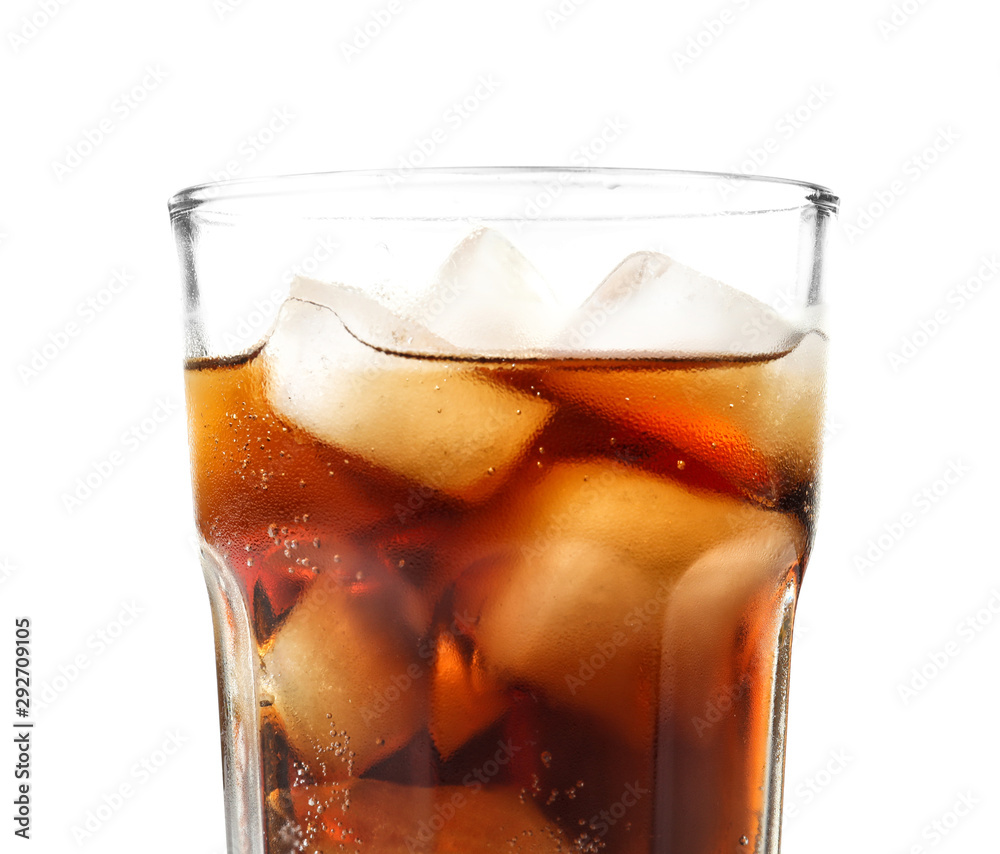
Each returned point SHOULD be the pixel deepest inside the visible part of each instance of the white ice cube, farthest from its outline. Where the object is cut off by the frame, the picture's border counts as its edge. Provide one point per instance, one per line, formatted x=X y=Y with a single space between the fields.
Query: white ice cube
x=488 y=300
x=368 y=320
x=343 y=671
x=568 y=588
x=442 y=424
x=652 y=305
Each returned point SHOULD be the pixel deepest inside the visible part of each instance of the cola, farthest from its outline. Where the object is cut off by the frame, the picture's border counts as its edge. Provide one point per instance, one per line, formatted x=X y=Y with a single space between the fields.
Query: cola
x=537 y=604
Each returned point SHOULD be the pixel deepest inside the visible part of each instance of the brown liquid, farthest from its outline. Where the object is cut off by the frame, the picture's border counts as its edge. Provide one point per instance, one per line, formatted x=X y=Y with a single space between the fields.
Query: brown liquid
x=563 y=638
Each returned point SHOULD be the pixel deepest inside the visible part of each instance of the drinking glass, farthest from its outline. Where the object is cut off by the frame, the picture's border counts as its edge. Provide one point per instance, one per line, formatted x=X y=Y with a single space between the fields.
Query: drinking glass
x=505 y=483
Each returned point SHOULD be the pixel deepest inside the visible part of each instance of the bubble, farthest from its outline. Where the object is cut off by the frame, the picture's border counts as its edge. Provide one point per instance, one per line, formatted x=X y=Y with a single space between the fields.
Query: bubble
x=744 y=841
x=547 y=759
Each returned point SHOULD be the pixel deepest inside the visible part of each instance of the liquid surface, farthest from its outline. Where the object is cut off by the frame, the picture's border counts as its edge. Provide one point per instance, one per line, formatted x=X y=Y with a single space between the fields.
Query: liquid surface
x=512 y=606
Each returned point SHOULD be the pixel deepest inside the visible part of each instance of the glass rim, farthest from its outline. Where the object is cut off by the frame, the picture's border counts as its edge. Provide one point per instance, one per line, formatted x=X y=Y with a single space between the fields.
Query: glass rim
x=193 y=197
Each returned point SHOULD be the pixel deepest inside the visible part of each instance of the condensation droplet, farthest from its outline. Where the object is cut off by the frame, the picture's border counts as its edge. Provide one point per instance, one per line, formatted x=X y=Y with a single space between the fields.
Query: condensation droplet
x=744 y=841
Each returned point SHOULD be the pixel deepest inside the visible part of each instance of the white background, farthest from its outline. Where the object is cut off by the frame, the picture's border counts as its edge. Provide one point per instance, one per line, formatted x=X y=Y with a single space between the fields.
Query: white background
x=869 y=766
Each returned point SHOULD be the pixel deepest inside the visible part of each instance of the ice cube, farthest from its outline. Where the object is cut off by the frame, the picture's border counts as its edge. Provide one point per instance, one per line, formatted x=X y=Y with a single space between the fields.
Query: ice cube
x=718 y=609
x=369 y=321
x=343 y=672
x=488 y=300
x=392 y=819
x=440 y=423
x=652 y=305
x=238 y=447
x=464 y=699
x=567 y=589
x=564 y=622
x=717 y=670
x=758 y=423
